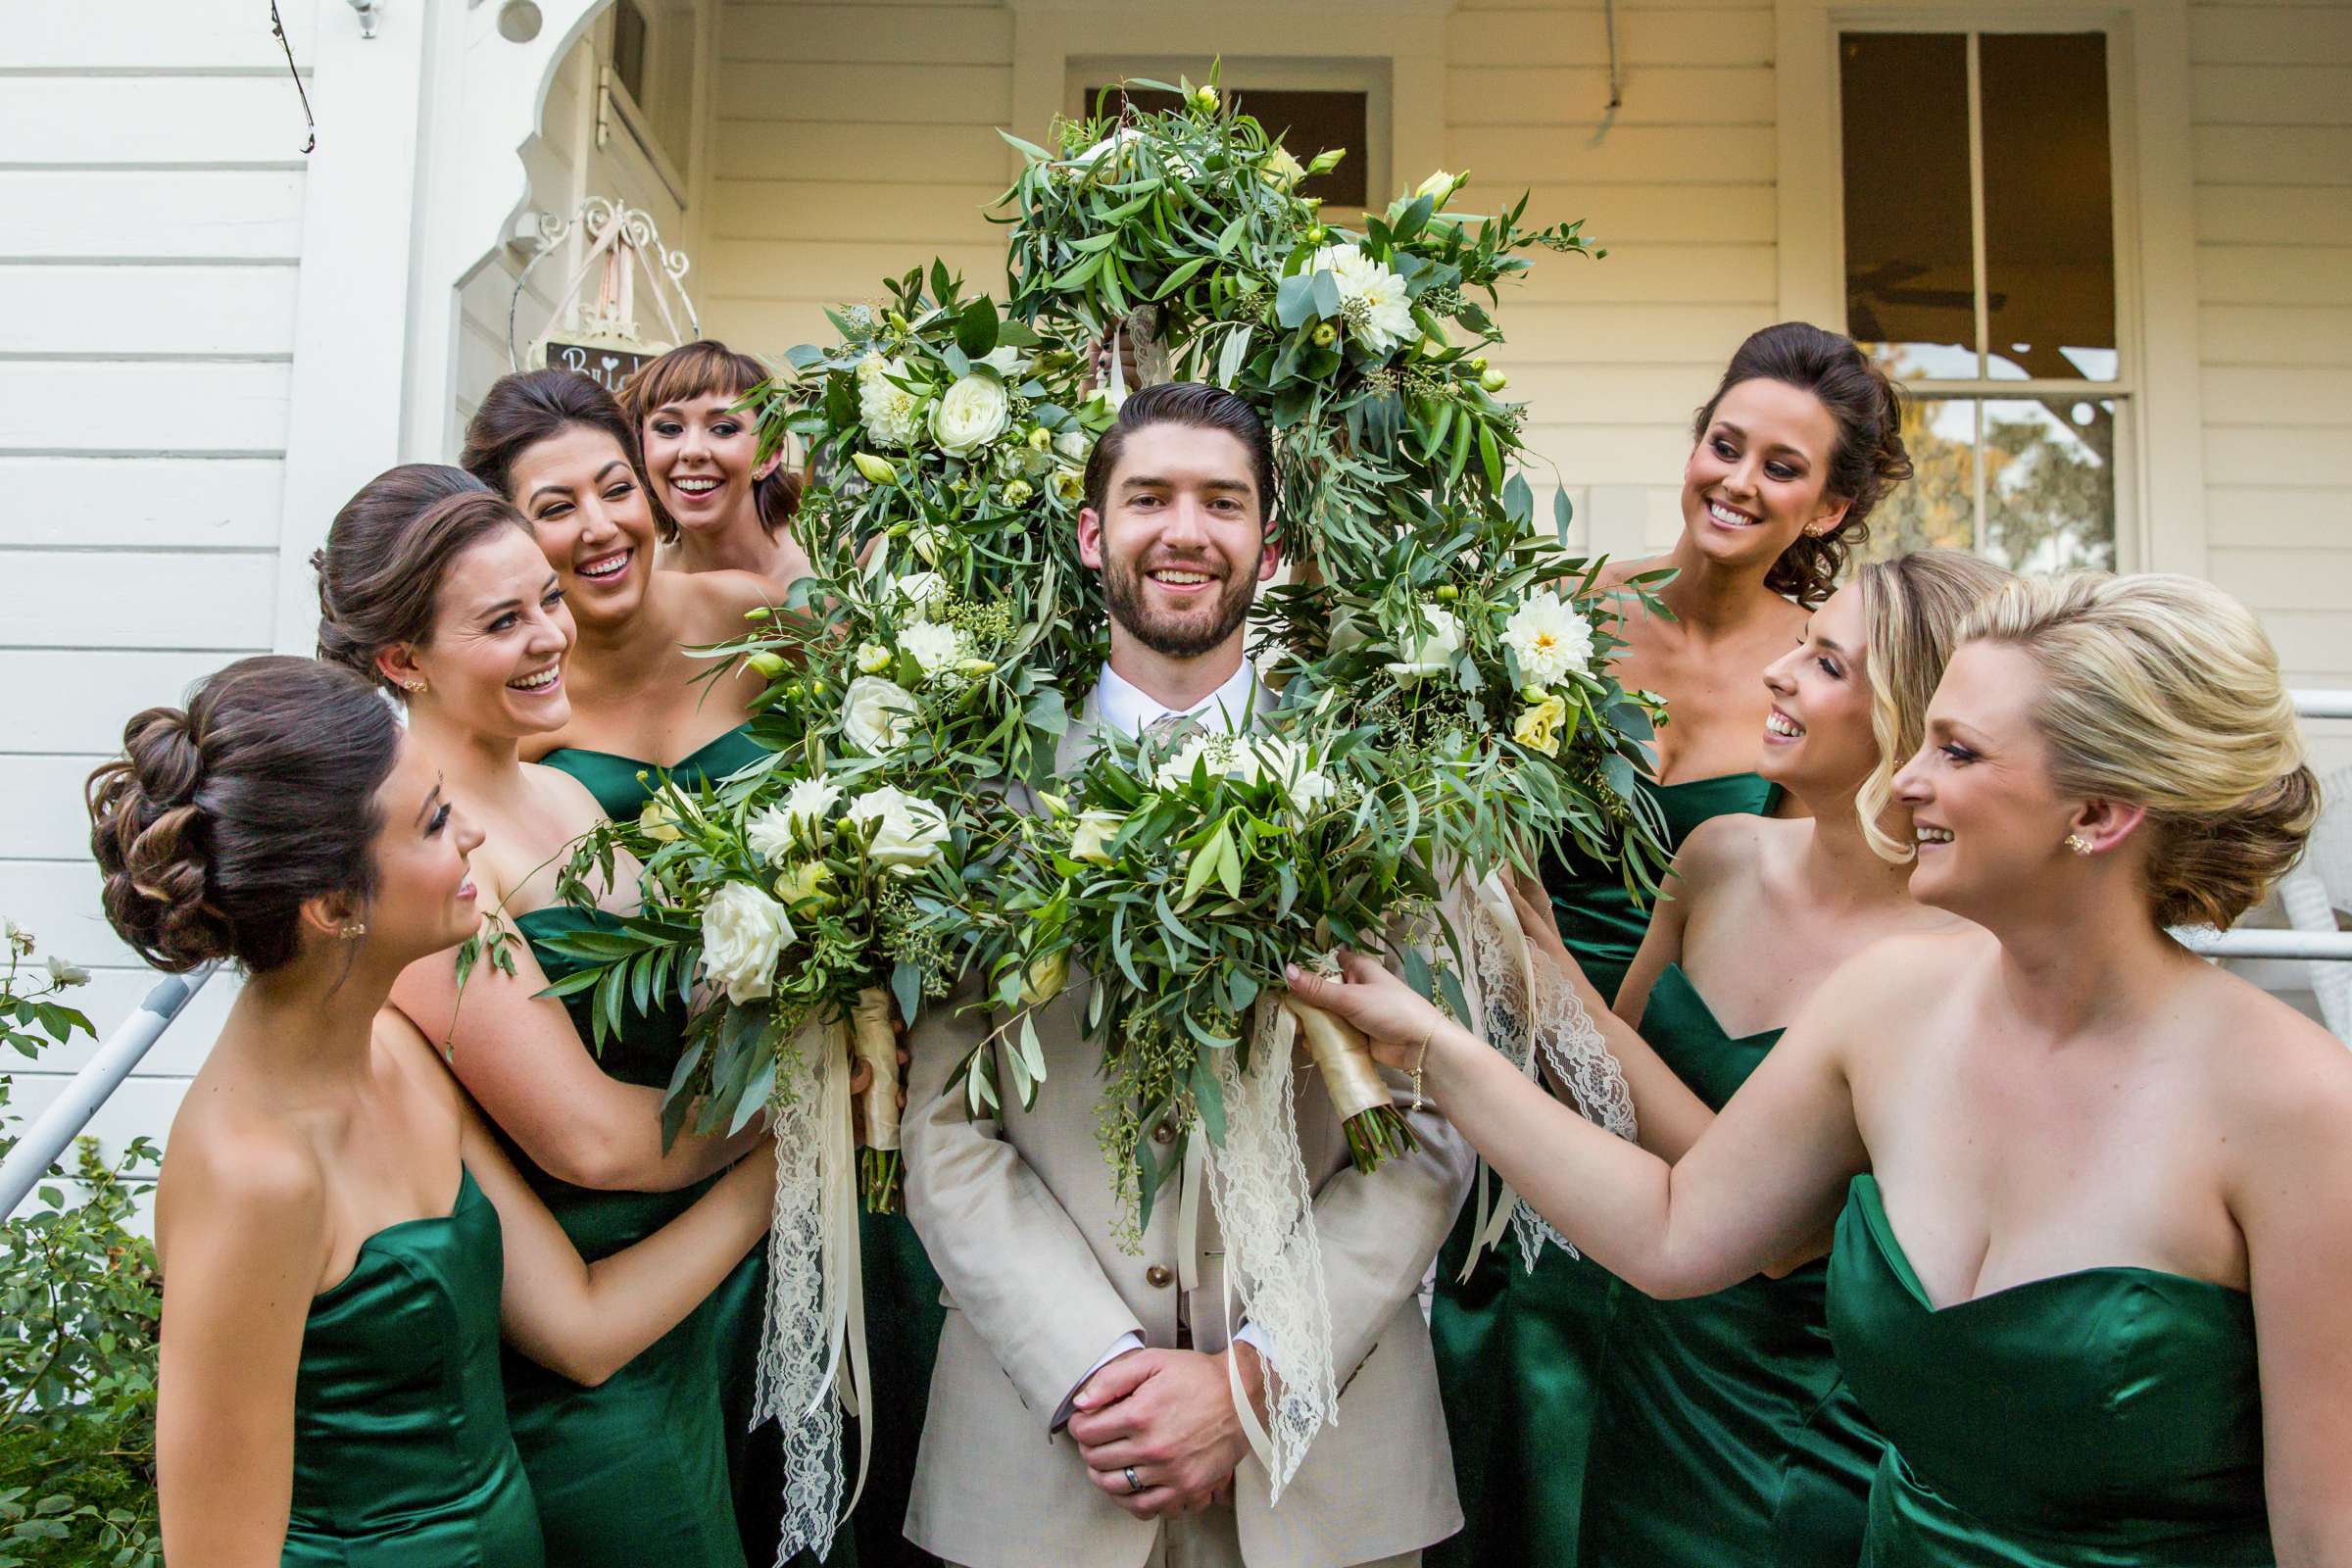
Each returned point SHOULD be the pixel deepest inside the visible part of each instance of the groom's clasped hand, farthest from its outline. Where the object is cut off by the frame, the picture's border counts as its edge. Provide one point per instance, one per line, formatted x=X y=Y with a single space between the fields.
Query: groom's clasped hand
x=1166 y=1420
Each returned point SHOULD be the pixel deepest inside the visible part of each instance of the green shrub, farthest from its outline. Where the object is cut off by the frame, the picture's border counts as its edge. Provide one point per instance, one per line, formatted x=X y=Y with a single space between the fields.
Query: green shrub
x=78 y=1309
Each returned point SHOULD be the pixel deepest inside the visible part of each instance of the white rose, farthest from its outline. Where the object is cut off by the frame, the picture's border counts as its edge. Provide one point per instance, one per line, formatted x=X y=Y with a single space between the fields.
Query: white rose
x=973 y=412
x=908 y=831
x=1551 y=639
x=744 y=932
x=872 y=659
x=1091 y=839
x=935 y=649
x=63 y=974
x=1074 y=444
x=877 y=715
x=809 y=802
x=1431 y=651
x=924 y=593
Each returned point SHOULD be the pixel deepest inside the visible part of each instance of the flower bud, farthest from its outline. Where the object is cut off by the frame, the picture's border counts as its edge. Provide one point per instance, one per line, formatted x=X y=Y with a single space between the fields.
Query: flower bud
x=1317 y=234
x=1205 y=99
x=1479 y=364
x=1494 y=380
x=1448 y=593
x=976 y=667
x=872 y=659
x=1325 y=335
x=770 y=665
x=1046 y=979
x=877 y=470
x=757 y=613
x=1017 y=492
x=1041 y=439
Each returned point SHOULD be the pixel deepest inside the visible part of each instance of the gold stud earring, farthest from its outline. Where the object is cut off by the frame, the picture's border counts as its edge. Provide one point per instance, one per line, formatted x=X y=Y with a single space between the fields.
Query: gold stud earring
x=2078 y=843
x=415 y=688
x=354 y=931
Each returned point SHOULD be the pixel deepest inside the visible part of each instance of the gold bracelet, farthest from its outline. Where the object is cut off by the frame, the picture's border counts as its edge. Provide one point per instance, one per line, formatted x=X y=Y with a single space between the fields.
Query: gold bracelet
x=1420 y=1060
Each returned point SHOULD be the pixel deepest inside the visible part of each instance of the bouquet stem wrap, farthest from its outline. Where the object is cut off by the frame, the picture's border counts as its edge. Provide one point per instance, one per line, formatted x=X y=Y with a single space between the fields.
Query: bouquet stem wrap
x=876 y=1044
x=812 y=1357
x=1375 y=1129
x=1532 y=1016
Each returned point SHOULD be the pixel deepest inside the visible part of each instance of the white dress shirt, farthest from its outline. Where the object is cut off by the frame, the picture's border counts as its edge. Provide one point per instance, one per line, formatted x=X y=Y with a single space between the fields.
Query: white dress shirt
x=1121 y=705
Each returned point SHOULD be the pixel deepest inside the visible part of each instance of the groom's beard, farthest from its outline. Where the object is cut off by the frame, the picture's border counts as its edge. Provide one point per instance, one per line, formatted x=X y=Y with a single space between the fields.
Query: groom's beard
x=1175 y=636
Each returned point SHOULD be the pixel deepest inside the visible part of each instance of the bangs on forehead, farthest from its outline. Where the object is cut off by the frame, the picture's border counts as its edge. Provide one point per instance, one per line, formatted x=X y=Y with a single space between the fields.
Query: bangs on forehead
x=699 y=370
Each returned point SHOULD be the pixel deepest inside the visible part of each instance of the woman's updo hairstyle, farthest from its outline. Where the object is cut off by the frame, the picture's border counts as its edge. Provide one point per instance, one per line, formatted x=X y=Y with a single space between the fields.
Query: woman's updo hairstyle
x=379 y=576
x=221 y=820
x=528 y=406
x=703 y=369
x=2164 y=693
x=1867 y=461
x=1913 y=608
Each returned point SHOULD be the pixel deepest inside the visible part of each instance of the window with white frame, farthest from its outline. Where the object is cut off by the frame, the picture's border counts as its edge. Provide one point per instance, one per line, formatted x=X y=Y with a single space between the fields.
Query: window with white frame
x=1980 y=270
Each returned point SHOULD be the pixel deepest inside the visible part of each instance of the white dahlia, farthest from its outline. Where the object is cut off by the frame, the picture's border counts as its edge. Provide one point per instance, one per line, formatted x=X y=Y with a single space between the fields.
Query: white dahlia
x=1551 y=639
x=1372 y=295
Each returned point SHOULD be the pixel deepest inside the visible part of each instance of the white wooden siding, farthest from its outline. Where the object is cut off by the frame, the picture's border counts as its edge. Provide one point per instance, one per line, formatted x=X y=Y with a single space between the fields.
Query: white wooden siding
x=152 y=172
x=2272 y=123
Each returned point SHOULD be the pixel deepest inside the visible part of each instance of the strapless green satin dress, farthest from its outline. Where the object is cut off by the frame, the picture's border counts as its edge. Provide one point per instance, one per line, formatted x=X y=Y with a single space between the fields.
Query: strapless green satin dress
x=2106 y=1417
x=647 y=1455
x=1517 y=1350
x=1726 y=1438
x=402 y=1453
x=903 y=1312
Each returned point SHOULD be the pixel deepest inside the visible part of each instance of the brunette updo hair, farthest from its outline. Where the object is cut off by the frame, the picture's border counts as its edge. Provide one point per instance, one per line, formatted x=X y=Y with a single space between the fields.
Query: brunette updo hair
x=1913 y=608
x=2164 y=693
x=379 y=575
x=221 y=820
x=707 y=367
x=1867 y=460
x=528 y=406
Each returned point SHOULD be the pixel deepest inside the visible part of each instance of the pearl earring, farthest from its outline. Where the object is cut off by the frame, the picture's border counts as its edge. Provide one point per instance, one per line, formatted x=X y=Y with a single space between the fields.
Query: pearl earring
x=2078 y=843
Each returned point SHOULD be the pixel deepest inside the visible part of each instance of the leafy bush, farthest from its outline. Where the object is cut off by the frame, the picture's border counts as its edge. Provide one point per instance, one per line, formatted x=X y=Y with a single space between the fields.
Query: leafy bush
x=78 y=1309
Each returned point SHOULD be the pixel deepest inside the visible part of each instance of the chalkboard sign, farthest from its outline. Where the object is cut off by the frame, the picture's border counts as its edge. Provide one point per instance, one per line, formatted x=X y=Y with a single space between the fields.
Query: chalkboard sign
x=606 y=367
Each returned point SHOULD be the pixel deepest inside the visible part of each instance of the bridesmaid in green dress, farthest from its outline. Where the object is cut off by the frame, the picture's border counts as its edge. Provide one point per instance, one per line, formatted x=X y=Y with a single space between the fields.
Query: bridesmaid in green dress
x=450 y=603
x=2093 y=1275
x=718 y=507
x=1799 y=442
x=329 y=1384
x=1724 y=1438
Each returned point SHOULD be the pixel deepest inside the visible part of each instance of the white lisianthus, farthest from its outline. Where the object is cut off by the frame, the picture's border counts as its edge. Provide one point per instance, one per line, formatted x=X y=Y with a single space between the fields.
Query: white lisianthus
x=1074 y=444
x=1551 y=639
x=886 y=409
x=877 y=715
x=974 y=411
x=1431 y=651
x=744 y=933
x=872 y=659
x=770 y=835
x=924 y=593
x=1440 y=186
x=1280 y=170
x=1386 y=317
x=908 y=830
x=1177 y=771
x=930 y=541
x=809 y=802
x=1004 y=359
x=1070 y=484
x=1091 y=839
x=934 y=648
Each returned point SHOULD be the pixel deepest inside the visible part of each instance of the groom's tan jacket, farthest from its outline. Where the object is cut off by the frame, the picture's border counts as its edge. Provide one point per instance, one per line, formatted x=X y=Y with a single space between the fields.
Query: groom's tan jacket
x=1018 y=1214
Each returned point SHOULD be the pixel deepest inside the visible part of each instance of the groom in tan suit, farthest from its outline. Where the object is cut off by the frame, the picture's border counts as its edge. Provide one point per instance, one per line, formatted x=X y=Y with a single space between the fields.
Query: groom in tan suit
x=1081 y=1415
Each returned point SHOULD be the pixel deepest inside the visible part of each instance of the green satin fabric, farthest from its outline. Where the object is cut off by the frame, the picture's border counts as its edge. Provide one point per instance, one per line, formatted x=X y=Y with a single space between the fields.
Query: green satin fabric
x=903 y=1312
x=649 y=1455
x=1726 y=1438
x=612 y=778
x=402 y=1453
x=2097 y=1419
x=1518 y=1349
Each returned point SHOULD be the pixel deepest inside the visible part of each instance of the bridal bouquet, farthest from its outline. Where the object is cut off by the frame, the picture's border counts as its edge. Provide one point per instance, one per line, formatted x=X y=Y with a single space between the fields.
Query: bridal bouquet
x=1183 y=883
x=1366 y=350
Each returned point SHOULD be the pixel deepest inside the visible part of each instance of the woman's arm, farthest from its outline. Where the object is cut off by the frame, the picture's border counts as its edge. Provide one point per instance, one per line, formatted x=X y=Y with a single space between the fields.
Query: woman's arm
x=246 y=1242
x=518 y=1056
x=2293 y=1200
x=1765 y=1175
x=1667 y=1116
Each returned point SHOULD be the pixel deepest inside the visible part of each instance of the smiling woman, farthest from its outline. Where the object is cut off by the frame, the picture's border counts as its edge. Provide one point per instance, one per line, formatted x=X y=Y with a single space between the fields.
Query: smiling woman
x=716 y=506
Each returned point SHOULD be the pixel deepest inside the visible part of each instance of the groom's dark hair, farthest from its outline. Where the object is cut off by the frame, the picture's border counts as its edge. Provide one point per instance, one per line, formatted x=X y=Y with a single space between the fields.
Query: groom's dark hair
x=1193 y=403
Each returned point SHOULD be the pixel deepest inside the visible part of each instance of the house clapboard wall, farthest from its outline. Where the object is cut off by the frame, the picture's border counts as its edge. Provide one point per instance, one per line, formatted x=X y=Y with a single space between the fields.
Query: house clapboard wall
x=154 y=184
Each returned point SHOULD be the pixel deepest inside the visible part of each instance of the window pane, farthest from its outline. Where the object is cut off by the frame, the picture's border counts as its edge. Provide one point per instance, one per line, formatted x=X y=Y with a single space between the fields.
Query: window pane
x=2049 y=213
x=2049 y=483
x=1937 y=509
x=1910 y=275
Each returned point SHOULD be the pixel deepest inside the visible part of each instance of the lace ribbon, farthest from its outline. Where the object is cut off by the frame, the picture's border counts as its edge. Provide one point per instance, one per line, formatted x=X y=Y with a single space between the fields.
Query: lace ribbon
x=1256 y=1179
x=1534 y=1016
x=812 y=1360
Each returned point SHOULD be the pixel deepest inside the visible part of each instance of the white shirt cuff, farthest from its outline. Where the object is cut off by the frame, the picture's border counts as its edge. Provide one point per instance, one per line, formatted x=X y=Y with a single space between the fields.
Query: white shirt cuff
x=1251 y=1335
x=1129 y=1341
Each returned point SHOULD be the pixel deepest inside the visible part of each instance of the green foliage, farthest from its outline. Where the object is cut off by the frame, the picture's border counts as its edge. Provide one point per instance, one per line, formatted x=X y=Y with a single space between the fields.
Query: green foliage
x=79 y=1305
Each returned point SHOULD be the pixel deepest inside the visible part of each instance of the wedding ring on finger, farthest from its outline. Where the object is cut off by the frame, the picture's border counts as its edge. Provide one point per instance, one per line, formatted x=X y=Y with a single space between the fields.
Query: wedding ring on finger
x=1133 y=1485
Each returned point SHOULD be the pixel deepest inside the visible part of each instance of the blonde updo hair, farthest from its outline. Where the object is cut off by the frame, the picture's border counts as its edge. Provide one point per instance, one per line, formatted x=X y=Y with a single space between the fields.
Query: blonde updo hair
x=1913 y=608
x=2163 y=692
